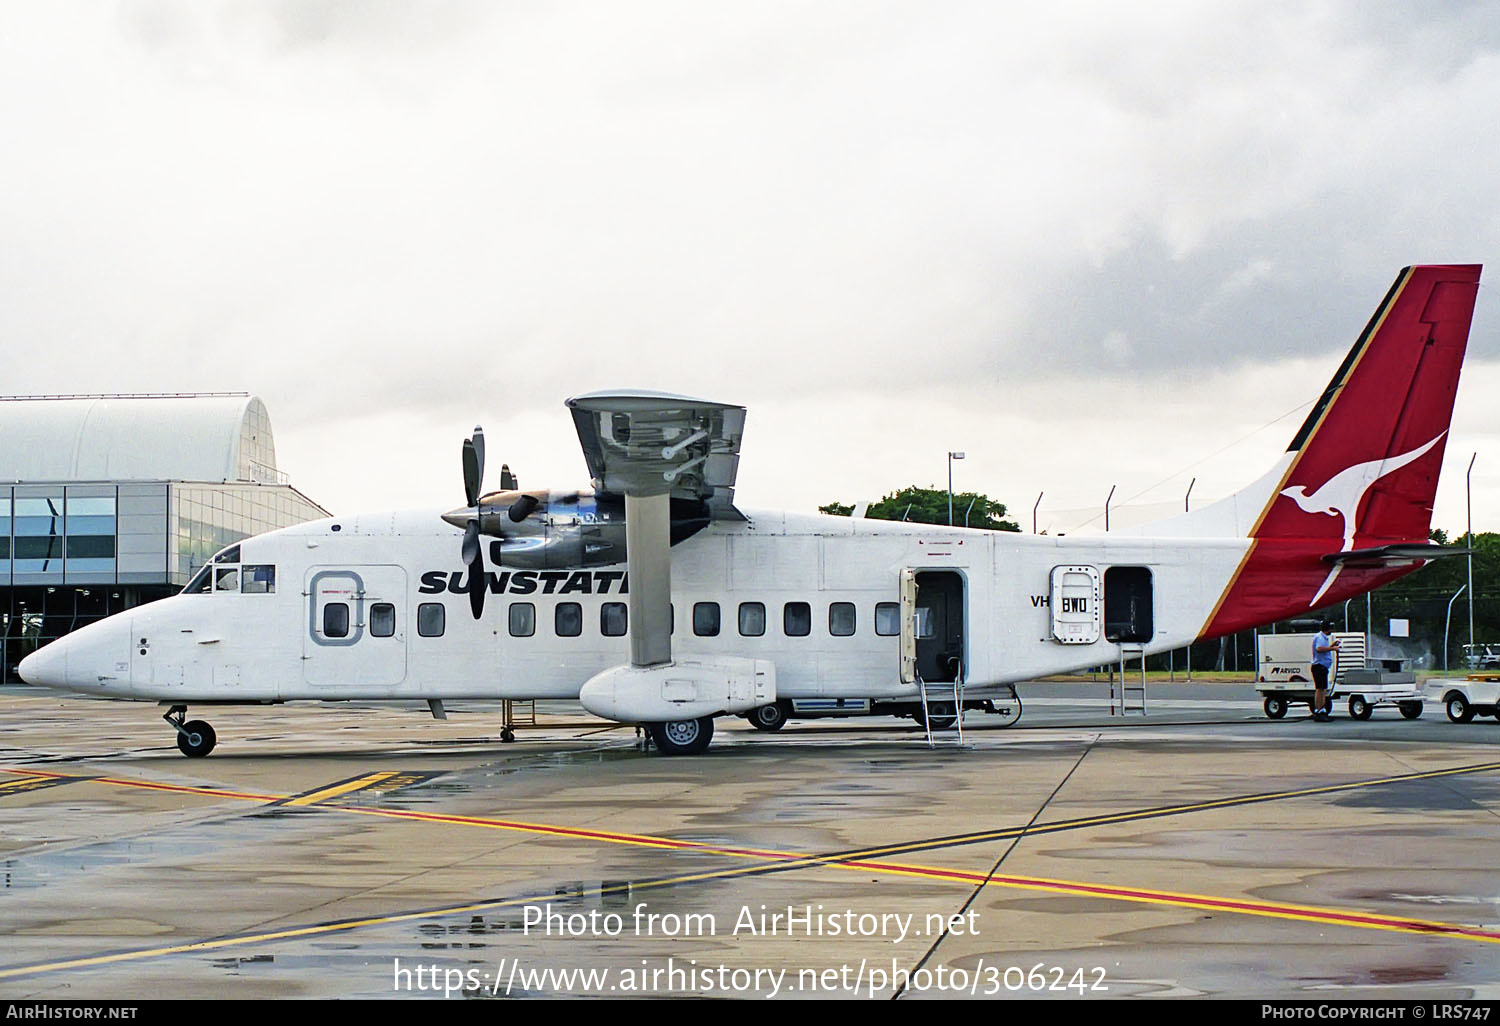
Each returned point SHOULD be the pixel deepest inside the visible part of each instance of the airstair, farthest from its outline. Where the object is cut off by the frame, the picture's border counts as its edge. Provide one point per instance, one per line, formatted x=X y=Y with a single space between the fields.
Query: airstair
x=948 y=691
x=1126 y=696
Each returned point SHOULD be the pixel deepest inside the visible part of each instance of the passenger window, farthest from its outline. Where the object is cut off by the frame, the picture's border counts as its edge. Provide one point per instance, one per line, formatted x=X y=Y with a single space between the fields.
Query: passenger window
x=887 y=619
x=228 y=579
x=614 y=619
x=841 y=619
x=258 y=580
x=796 y=619
x=522 y=619
x=706 y=619
x=568 y=619
x=382 y=620
x=752 y=619
x=432 y=619
x=336 y=620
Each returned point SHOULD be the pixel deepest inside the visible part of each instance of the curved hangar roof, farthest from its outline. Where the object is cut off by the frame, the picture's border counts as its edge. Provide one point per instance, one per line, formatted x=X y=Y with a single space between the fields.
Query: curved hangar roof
x=123 y=438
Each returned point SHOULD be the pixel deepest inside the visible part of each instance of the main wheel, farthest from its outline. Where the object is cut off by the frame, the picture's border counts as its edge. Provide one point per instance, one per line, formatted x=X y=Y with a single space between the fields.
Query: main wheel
x=198 y=740
x=1275 y=707
x=1359 y=709
x=942 y=716
x=1411 y=710
x=1458 y=708
x=768 y=717
x=682 y=737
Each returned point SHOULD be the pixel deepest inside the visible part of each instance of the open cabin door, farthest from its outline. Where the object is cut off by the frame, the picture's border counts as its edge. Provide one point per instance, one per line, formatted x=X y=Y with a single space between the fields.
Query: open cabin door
x=908 y=626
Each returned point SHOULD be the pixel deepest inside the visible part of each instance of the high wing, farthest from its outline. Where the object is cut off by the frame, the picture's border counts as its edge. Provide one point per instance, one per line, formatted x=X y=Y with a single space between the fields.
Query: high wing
x=653 y=443
x=653 y=447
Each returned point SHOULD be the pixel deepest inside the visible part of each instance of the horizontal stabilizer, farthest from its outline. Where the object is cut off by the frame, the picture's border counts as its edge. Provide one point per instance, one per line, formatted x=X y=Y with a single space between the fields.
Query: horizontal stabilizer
x=1388 y=555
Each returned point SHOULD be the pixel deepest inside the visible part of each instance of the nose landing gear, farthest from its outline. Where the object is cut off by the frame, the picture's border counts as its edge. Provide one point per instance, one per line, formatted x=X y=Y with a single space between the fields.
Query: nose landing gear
x=195 y=738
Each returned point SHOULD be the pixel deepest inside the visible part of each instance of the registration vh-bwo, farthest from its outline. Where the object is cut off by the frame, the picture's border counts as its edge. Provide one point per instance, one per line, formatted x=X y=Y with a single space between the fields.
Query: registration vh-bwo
x=652 y=599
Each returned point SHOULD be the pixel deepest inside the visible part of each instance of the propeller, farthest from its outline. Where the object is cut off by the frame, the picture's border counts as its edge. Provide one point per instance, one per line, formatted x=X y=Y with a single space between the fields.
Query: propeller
x=468 y=516
x=472 y=552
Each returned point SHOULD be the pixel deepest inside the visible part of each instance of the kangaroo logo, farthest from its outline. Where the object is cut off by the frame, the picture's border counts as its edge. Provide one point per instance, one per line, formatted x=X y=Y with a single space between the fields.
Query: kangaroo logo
x=1342 y=493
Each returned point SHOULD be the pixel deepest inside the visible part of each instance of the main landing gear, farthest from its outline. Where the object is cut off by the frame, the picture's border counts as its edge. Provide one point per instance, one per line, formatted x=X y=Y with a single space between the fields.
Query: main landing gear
x=682 y=737
x=195 y=738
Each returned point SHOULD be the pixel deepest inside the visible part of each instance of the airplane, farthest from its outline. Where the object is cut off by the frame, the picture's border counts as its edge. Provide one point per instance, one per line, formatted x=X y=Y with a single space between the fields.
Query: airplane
x=652 y=599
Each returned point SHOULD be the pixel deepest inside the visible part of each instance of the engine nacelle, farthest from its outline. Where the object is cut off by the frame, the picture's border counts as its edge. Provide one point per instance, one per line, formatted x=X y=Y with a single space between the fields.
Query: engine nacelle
x=684 y=690
x=570 y=530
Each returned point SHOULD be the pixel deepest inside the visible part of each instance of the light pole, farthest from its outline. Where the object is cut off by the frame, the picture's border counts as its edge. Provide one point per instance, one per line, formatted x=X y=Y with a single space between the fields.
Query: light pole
x=1469 y=543
x=951 y=457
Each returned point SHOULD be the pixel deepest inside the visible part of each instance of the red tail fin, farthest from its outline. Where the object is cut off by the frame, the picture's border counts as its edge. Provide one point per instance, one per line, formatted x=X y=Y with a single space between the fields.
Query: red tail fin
x=1364 y=466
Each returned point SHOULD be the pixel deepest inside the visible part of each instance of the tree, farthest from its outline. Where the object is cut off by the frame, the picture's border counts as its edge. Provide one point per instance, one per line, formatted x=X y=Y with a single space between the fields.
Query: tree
x=930 y=506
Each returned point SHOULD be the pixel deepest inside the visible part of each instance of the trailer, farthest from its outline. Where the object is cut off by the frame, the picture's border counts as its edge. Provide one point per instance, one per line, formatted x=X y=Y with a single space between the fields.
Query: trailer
x=1389 y=684
x=1464 y=698
x=1283 y=673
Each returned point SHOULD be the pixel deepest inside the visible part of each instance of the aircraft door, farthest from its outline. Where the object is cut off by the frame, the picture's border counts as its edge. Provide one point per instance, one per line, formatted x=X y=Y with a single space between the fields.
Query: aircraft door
x=932 y=626
x=908 y=626
x=356 y=626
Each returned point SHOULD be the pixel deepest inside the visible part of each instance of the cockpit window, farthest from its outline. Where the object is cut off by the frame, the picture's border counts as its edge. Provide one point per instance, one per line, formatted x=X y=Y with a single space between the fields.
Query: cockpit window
x=227 y=579
x=257 y=579
x=229 y=555
x=199 y=583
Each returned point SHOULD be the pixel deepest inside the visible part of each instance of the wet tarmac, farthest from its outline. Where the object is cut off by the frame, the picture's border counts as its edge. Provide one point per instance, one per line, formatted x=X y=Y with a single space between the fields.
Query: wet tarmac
x=354 y=850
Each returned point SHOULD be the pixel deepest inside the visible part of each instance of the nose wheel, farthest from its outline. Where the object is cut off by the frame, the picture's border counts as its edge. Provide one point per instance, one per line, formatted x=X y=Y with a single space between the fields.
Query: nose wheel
x=195 y=738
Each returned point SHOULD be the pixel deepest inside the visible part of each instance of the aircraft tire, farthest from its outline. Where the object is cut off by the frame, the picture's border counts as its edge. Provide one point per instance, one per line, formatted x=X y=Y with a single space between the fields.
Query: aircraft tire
x=198 y=741
x=682 y=737
x=768 y=717
x=942 y=715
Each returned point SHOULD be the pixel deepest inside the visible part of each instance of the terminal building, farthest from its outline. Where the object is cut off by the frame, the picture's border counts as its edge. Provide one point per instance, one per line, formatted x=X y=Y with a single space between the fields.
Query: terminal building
x=108 y=501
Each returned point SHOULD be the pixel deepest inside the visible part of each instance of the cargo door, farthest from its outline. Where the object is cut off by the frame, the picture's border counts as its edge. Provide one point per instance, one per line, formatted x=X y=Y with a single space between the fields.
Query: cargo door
x=1077 y=609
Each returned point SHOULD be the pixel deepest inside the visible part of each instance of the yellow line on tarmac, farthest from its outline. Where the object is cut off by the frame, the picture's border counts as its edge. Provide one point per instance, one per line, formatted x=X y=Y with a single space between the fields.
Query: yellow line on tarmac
x=335 y=790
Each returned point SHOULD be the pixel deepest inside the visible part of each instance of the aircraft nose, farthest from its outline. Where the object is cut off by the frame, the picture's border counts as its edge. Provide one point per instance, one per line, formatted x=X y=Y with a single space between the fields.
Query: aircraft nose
x=46 y=667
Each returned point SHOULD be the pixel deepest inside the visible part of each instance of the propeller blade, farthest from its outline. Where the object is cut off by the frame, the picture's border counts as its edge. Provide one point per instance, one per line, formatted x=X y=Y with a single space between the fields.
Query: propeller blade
x=479 y=454
x=478 y=584
x=523 y=508
x=472 y=472
x=470 y=548
x=508 y=482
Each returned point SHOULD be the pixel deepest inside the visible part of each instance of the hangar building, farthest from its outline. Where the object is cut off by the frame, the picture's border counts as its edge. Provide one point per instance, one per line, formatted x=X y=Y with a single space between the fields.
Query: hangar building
x=108 y=501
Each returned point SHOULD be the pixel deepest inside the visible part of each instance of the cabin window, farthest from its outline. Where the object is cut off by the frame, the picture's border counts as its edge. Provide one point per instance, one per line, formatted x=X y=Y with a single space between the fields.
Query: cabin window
x=1127 y=604
x=228 y=579
x=382 y=619
x=336 y=620
x=432 y=619
x=568 y=619
x=841 y=619
x=614 y=619
x=887 y=619
x=522 y=619
x=706 y=619
x=752 y=619
x=257 y=580
x=796 y=619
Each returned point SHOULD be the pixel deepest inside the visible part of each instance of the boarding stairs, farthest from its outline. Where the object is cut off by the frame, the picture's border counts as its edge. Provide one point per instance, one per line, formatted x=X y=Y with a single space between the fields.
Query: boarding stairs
x=944 y=692
x=1126 y=695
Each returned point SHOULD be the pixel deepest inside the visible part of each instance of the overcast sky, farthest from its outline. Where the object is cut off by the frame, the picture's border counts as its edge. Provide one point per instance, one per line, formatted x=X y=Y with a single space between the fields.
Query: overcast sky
x=1087 y=244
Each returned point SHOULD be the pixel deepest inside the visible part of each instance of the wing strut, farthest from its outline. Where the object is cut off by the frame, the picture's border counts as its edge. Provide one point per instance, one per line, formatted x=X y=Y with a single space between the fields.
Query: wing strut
x=648 y=558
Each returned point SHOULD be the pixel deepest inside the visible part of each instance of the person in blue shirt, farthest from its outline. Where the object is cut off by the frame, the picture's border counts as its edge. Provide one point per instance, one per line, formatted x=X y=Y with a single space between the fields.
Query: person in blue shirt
x=1323 y=647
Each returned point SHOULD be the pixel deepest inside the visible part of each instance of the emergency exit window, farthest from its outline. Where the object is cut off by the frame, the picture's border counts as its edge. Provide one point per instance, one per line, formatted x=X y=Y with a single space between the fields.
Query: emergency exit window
x=336 y=620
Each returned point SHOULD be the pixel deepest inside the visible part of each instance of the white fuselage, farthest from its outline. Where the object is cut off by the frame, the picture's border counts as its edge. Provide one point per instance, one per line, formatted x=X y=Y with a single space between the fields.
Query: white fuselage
x=281 y=645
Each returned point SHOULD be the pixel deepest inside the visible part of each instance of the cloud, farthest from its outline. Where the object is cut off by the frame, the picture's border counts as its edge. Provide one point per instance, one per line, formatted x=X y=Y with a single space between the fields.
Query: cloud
x=394 y=220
